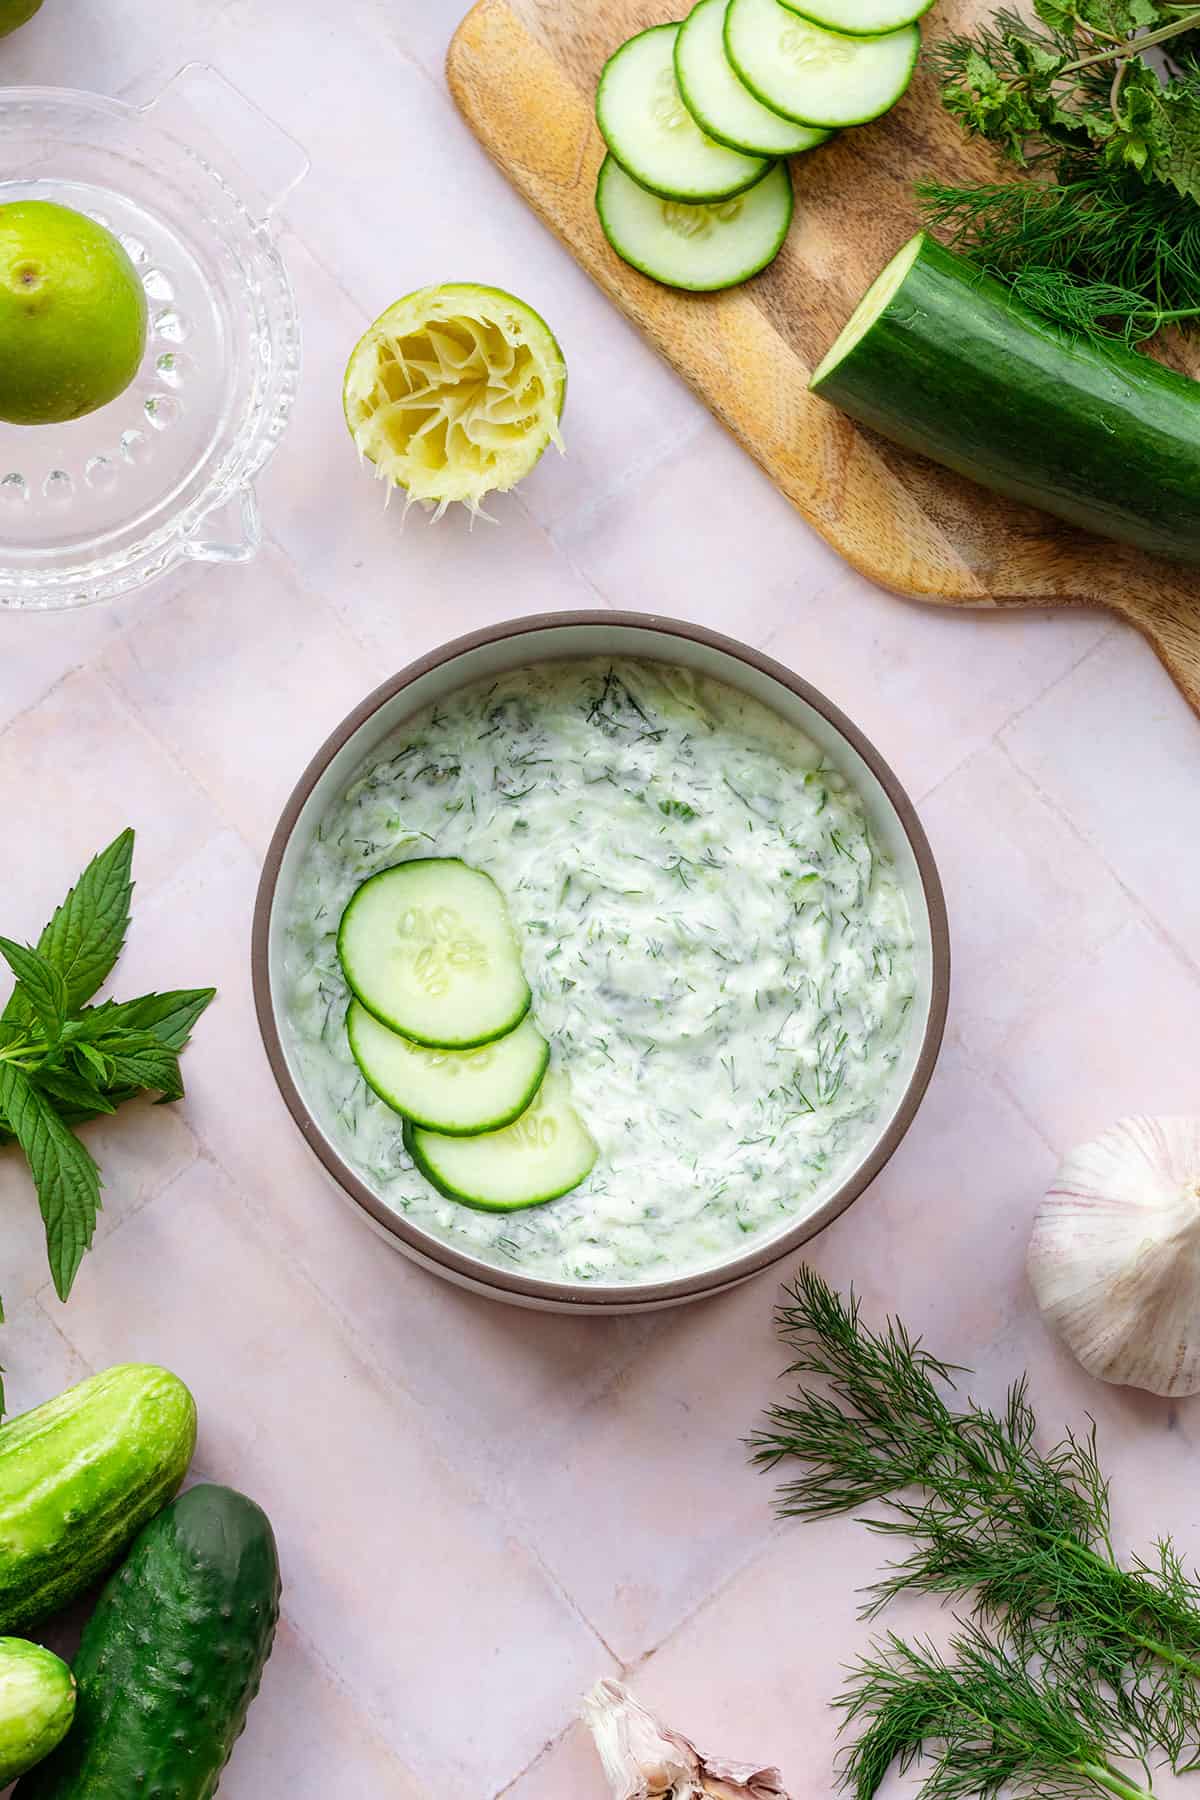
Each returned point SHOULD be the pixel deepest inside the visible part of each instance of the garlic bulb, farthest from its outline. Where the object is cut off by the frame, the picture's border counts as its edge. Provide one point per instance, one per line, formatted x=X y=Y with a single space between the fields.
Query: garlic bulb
x=1114 y=1259
x=646 y=1761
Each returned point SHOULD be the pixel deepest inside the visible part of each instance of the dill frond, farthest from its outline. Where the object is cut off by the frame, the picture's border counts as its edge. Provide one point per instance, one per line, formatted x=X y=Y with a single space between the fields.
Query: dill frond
x=985 y=1510
x=984 y=1720
x=1113 y=257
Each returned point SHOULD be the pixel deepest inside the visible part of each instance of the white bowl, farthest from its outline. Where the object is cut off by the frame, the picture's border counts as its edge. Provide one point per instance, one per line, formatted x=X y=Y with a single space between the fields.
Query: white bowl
x=554 y=637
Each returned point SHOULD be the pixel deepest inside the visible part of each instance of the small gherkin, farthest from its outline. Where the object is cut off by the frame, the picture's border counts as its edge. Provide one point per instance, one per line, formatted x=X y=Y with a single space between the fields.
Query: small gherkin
x=172 y=1656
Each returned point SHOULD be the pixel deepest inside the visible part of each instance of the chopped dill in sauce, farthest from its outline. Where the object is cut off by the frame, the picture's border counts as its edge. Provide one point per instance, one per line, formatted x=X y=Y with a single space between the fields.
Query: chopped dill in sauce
x=720 y=955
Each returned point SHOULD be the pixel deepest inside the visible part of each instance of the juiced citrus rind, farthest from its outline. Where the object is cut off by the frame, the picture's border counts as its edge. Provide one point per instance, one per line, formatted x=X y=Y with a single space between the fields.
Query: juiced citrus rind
x=454 y=393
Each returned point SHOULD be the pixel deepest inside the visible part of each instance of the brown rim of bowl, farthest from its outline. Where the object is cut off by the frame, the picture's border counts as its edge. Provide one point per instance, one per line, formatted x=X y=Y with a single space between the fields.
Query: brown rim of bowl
x=561 y=1294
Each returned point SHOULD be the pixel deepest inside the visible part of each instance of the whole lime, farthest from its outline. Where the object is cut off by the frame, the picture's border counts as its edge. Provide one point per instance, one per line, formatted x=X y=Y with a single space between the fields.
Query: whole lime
x=72 y=314
x=16 y=12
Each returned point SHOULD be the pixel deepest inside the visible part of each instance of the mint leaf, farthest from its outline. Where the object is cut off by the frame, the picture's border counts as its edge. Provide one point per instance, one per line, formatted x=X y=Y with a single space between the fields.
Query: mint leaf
x=41 y=984
x=66 y=1178
x=94 y=1060
x=73 y=1092
x=84 y=938
x=136 y=1059
x=170 y=1017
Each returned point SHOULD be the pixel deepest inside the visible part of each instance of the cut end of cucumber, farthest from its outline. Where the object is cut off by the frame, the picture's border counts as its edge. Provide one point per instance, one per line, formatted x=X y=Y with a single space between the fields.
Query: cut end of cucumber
x=873 y=302
x=454 y=393
x=540 y=1157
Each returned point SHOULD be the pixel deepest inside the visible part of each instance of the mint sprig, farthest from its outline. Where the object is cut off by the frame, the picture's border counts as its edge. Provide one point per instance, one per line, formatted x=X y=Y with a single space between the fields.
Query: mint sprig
x=63 y=1061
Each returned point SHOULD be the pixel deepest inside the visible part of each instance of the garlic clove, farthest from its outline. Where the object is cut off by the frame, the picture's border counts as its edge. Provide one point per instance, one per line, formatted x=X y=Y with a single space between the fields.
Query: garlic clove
x=647 y=1761
x=1114 y=1259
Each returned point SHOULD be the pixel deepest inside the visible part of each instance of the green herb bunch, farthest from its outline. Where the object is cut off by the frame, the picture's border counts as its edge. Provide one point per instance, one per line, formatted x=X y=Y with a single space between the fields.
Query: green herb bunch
x=986 y=1721
x=1105 y=237
x=987 y=1513
x=64 y=1061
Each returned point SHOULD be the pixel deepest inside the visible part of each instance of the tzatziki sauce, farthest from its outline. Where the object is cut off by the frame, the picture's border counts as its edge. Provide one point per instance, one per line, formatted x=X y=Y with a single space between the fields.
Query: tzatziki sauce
x=720 y=952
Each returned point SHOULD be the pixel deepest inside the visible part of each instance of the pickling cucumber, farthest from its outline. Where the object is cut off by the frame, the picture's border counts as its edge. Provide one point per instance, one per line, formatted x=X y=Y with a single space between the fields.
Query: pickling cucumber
x=428 y=948
x=815 y=76
x=37 y=1704
x=944 y=361
x=700 y=248
x=860 y=18
x=79 y=1477
x=171 y=1658
x=651 y=133
x=541 y=1156
x=722 y=105
x=459 y=1092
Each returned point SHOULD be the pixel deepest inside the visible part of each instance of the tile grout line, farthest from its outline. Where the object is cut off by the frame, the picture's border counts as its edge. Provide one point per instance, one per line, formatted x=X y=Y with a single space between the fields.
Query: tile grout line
x=40 y=1298
x=1105 y=637
x=394 y=1385
x=334 y=1680
x=176 y=761
x=1140 y=906
x=576 y=523
x=255 y=1223
x=627 y=1668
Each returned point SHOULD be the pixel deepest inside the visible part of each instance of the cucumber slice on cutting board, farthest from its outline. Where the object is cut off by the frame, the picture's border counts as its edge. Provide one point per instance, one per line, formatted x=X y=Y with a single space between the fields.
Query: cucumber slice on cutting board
x=701 y=248
x=541 y=1156
x=817 y=77
x=721 y=104
x=943 y=360
x=652 y=134
x=428 y=948
x=860 y=18
x=459 y=1092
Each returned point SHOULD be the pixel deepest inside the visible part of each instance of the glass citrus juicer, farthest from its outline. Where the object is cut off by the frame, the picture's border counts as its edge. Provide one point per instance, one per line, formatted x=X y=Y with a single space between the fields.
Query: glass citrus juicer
x=165 y=473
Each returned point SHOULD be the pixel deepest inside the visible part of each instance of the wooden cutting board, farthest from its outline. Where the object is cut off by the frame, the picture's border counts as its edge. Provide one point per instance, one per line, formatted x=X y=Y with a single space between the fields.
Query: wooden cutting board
x=524 y=73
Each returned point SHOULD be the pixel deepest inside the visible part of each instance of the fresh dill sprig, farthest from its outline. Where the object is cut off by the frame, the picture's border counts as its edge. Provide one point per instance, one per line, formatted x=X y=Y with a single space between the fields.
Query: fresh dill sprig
x=987 y=1512
x=1113 y=254
x=984 y=1720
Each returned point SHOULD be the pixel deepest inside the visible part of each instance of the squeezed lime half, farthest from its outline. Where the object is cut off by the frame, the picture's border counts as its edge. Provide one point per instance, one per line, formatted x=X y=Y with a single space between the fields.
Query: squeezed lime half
x=454 y=393
x=72 y=314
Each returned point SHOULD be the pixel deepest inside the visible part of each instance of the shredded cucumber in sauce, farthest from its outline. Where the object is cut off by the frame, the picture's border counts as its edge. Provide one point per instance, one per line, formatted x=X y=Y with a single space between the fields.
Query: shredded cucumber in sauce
x=720 y=955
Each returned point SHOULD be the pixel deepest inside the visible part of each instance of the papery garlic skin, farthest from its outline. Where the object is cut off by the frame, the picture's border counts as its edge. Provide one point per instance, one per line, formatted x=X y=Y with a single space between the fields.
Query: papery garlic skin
x=648 y=1761
x=1114 y=1258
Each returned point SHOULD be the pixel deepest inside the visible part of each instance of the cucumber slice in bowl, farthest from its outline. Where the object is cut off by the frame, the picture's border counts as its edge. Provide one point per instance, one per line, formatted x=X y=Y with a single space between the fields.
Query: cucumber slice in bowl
x=700 y=248
x=815 y=76
x=721 y=104
x=458 y=1092
x=428 y=948
x=541 y=1156
x=652 y=134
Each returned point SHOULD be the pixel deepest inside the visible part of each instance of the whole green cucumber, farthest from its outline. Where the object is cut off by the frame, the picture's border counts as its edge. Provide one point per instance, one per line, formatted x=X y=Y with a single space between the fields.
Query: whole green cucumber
x=171 y=1658
x=80 y=1476
x=37 y=1704
x=941 y=359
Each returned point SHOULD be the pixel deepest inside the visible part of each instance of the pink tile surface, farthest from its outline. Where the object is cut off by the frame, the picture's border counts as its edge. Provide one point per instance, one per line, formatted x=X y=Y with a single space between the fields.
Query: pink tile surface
x=371 y=1521
x=482 y=1510
x=1028 y=895
x=1115 y=751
